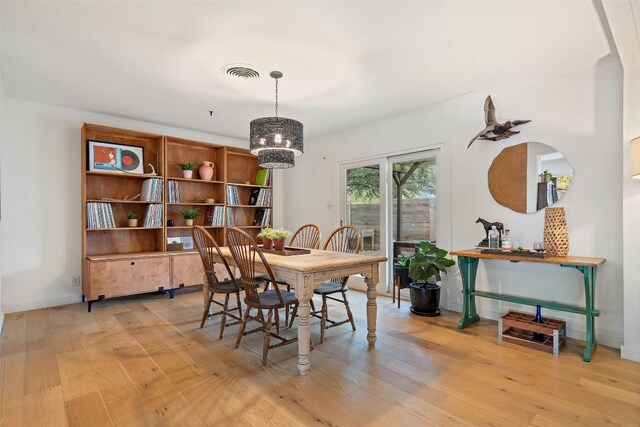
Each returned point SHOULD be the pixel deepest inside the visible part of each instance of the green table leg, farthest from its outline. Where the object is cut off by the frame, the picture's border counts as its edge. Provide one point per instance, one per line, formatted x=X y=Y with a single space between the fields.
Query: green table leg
x=589 y=274
x=468 y=269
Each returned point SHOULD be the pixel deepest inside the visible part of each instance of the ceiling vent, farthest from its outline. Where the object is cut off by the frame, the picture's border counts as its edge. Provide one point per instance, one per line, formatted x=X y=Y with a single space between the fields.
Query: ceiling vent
x=243 y=71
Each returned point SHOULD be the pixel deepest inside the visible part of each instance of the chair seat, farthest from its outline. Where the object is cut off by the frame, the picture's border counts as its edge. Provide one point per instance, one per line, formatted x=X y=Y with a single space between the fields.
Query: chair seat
x=228 y=287
x=269 y=299
x=329 y=288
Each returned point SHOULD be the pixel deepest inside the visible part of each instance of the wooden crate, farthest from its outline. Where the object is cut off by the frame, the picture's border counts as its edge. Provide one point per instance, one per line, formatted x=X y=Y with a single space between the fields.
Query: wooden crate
x=519 y=328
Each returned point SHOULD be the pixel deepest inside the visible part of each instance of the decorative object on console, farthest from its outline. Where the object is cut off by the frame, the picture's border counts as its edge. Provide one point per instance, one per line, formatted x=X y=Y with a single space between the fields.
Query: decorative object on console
x=635 y=158
x=277 y=141
x=424 y=268
x=116 y=158
x=206 y=170
x=495 y=131
x=556 y=232
x=132 y=218
x=187 y=169
x=528 y=177
x=484 y=243
x=189 y=214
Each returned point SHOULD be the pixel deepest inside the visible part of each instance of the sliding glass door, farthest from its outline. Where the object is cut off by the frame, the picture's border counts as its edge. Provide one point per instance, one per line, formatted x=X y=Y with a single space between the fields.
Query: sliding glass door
x=390 y=199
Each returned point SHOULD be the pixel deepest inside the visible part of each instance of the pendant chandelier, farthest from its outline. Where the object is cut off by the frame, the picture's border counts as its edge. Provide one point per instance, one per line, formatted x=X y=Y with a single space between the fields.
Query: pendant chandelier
x=277 y=141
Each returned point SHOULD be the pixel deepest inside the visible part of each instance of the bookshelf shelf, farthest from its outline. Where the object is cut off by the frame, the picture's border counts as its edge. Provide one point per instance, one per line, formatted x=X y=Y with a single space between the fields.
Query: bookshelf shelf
x=121 y=175
x=192 y=180
x=125 y=260
x=124 y=229
x=195 y=204
x=248 y=185
x=139 y=202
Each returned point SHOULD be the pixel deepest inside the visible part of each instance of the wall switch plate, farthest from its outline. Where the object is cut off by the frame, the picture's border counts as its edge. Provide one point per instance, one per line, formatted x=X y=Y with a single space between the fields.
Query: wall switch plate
x=75 y=281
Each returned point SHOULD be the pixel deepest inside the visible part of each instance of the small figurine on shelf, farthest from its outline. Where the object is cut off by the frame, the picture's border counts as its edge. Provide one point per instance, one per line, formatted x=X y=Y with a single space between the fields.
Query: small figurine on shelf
x=187 y=169
x=189 y=214
x=132 y=218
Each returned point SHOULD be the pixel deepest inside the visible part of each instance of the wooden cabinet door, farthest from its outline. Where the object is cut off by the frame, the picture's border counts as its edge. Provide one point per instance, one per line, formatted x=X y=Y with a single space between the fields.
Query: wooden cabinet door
x=113 y=278
x=187 y=270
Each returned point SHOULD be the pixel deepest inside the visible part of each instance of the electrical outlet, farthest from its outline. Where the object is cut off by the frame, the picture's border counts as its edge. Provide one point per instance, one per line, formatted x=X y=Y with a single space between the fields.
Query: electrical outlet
x=75 y=281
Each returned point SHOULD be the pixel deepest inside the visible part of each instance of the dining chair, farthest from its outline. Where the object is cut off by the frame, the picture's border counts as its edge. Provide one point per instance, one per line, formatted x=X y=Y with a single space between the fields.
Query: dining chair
x=252 y=263
x=343 y=239
x=306 y=236
x=207 y=248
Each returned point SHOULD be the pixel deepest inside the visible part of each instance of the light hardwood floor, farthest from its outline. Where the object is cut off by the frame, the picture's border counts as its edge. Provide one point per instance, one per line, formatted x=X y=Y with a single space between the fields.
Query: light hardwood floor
x=144 y=361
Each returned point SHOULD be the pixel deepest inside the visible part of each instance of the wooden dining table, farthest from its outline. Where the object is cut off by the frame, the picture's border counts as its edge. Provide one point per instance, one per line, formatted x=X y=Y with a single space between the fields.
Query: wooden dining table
x=307 y=272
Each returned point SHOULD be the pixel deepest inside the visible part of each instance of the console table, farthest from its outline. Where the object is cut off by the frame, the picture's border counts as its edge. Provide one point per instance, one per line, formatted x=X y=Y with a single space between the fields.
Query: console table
x=468 y=263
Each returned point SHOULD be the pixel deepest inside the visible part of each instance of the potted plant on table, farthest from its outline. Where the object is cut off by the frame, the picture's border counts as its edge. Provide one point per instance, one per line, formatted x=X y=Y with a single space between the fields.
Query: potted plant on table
x=189 y=214
x=425 y=268
x=265 y=235
x=187 y=169
x=132 y=218
x=278 y=235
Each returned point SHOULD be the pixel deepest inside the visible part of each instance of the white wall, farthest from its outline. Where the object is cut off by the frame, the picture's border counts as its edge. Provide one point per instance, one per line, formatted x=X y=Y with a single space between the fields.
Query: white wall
x=579 y=114
x=41 y=206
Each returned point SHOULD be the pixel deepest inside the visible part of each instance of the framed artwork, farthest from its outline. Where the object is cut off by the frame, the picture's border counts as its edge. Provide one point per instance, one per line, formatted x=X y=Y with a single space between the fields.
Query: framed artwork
x=117 y=158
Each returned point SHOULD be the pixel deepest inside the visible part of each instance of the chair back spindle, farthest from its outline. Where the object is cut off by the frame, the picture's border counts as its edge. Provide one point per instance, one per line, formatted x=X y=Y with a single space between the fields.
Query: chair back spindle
x=247 y=257
x=344 y=239
x=208 y=248
x=307 y=236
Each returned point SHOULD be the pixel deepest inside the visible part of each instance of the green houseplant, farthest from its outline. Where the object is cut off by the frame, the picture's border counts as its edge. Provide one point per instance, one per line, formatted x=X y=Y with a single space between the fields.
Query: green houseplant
x=265 y=235
x=401 y=269
x=189 y=214
x=132 y=218
x=187 y=169
x=277 y=235
x=425 y=268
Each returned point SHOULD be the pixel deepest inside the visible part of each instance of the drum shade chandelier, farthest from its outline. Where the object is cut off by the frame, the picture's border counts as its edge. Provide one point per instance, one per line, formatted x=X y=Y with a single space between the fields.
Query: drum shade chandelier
x=277 y=141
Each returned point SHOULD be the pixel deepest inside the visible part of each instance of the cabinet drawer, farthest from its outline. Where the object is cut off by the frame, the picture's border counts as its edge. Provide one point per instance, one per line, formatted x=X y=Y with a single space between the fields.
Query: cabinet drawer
x=113 y=278
x=187 y=270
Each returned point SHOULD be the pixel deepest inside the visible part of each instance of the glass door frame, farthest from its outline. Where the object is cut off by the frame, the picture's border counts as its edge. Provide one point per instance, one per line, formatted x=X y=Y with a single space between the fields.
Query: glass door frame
x=407 y=157
x=342 y=211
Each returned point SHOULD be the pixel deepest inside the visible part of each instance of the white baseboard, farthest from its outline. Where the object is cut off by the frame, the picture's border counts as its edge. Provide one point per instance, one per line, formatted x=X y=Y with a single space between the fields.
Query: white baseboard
x=630 y=353
x=43 y=303
x=1 y=319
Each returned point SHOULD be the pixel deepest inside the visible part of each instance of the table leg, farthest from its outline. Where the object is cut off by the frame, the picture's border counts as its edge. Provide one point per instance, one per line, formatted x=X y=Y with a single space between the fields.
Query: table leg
x=372 y=309
x=304 y=335
x=468 y=269
x=590 y=293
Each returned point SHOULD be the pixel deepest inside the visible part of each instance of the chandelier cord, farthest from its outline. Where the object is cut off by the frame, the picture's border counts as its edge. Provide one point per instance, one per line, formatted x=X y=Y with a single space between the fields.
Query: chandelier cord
x=276 y=98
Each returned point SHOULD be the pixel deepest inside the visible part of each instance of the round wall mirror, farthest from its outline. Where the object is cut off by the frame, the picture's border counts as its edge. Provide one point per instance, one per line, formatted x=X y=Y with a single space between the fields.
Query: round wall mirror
x=528 y=177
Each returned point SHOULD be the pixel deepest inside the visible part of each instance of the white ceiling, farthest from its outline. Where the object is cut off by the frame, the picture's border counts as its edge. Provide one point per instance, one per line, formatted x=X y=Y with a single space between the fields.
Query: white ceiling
x=344 y=63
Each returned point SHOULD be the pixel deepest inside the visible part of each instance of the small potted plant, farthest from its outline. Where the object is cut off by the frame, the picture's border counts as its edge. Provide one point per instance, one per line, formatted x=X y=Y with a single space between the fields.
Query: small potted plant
x=189 y=214
x=401 y=270
x=278 y=235
x=425 y=268
x=546 y=176
x=187 y=169
x=265 y=235
x=132 y=218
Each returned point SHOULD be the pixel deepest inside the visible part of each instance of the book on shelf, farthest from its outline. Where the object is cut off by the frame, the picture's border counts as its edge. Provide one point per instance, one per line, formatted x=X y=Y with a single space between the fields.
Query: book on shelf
x=263 y=177
x=262 y=217
x=214 y=216
x=151 y=190
x=233 y=196
x=230 y=221
x=153 y=216
x=173 y=192
x=260 y=197
x=100 y=215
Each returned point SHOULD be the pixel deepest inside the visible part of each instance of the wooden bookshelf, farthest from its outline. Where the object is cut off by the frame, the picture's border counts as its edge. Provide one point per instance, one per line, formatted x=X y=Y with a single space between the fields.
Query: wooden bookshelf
x=131 y=260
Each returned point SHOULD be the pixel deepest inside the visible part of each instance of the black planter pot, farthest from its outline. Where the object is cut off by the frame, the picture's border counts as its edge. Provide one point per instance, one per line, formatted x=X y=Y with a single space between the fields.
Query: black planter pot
x=425 y=299
x=403 y=273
